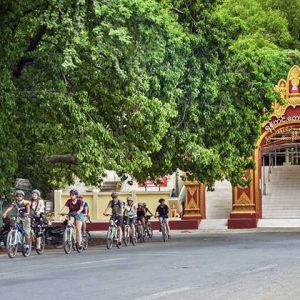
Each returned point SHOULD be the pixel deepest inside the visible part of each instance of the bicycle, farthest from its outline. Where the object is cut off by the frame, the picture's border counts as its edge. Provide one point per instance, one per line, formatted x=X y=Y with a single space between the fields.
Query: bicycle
x=69 y=237
x=164 y=232
x=38 y=229
x=112 y=235
x=86 y=236
x=16 y=239
x=148 y=227
x=140 y=231
x=128 y=235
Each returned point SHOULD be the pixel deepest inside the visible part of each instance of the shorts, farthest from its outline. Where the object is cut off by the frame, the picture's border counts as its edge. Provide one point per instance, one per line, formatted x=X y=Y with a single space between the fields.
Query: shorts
x=130 y=221
x=166 y=219
x=26 y=225
x=140 y=217
x=117 y=219
x=79 y=217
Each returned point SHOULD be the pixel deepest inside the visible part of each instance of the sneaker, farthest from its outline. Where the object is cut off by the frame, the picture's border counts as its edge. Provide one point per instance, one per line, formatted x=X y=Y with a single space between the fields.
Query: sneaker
x=119 y=243
x=169 y=236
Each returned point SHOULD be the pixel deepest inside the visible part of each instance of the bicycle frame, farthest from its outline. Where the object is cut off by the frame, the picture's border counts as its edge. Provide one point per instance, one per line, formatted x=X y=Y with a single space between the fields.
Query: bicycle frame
x=15 y=226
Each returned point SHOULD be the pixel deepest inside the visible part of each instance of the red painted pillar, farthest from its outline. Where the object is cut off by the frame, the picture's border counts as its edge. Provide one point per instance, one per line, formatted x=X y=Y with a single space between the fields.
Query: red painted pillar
x=194 y=201
x=244 y=213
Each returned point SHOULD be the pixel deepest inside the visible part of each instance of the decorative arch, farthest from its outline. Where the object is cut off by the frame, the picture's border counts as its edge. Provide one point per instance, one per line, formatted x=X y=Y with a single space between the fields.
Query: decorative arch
x=247 y=202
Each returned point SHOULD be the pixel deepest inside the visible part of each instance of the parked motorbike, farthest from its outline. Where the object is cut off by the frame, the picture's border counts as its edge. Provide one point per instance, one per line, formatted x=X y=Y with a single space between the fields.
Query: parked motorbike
x=54 y=234
x=4 y=230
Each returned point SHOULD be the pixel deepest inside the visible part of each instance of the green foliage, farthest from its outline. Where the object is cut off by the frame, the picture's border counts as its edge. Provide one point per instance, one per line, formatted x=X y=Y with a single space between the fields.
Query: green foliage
x=141 y=87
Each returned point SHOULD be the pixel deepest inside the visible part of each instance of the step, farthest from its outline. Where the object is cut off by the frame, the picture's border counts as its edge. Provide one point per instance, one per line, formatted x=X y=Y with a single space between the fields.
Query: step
x=278 y=223
x=213 y=224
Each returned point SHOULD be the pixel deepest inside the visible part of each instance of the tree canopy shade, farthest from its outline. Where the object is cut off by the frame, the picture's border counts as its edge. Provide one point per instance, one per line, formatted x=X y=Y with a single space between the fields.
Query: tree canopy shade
x=141 y=87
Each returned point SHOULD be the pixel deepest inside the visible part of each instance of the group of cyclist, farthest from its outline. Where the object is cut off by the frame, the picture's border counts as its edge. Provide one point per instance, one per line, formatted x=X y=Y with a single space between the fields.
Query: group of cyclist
x=27 y=211
x=78 y=212
x=131 y=214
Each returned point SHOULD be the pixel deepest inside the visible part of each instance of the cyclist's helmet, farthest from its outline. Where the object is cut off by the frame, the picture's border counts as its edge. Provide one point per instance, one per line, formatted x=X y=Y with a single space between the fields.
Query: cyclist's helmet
x=36 y=192
x=141 y=204
x=161 y=200
x=74 y=192
x=130 y=199
x=144 y=204
x=20 y=193
x=114 y=195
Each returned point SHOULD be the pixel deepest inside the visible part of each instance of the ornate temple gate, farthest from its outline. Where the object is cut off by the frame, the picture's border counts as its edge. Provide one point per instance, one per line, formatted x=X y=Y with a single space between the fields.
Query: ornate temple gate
x=283 y=128
x=284 y=124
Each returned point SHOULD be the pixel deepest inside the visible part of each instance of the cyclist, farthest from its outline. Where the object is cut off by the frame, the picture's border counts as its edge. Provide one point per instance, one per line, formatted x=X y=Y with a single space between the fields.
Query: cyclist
x=117 y=207
x=23 y=211
x=37 y=210
x=75 y=206
x=141 y=213
x=148 y=213
x=162 y=212
x=147 y=210
x=37 y=203
x=130 y=214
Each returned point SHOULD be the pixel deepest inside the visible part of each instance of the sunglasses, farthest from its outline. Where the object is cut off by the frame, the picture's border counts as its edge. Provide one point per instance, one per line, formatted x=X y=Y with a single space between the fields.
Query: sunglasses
x=19 y=196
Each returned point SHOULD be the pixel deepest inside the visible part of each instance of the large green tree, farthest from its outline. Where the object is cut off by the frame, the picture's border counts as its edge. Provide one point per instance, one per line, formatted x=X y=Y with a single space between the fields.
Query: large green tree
x=141 y=87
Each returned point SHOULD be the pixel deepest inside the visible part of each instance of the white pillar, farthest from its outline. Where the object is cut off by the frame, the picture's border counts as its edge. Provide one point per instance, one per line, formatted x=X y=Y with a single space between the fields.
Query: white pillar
x=57 y=202
x=95 y=203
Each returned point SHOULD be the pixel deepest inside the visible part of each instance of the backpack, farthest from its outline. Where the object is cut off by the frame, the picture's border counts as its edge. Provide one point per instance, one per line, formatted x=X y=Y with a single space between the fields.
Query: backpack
x=118 y=203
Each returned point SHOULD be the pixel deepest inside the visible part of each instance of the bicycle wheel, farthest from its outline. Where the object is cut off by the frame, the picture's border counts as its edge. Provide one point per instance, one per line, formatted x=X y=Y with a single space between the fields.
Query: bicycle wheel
x=150 y=231
x=164 y=232
x=41 y=250
x=133 y=240
x=26 y=251
x=127 y=235
x=88 y=235
x=67 y=240
x=12 y=244
x=109 y=238
x=116 y=238
x=141 y=233
x=85 y=242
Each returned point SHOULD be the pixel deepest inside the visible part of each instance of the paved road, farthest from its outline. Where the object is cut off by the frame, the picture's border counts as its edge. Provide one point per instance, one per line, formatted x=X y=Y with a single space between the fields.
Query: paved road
x=191 y=266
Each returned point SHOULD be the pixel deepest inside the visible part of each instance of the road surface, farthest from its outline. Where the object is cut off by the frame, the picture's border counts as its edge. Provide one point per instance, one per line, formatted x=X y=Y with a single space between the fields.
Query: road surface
x=189 y=266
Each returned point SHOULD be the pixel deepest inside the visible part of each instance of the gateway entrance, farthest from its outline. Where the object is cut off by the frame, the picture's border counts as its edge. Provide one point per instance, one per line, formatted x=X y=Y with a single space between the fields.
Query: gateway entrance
x=281 y=183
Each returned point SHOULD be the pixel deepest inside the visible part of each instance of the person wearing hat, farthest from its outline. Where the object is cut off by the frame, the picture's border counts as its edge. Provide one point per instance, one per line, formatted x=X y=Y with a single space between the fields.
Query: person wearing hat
x=37 y=209
x=23 y=211
x=37 y=203
x=162 y=212
x=130 y=214
x=141 y=213
x=117 y=208
x=75 y=206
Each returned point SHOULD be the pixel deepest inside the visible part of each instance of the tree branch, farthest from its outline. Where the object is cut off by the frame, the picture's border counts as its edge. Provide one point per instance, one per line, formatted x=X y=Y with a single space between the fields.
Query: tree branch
x=34 y=42
x=62 y=158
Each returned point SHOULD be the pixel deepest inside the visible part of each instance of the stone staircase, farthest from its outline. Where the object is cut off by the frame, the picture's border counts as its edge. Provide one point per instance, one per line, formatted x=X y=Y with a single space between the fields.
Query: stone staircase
x=218 y=207
x=283 y=195
x=219 y=201
x=110 y=186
